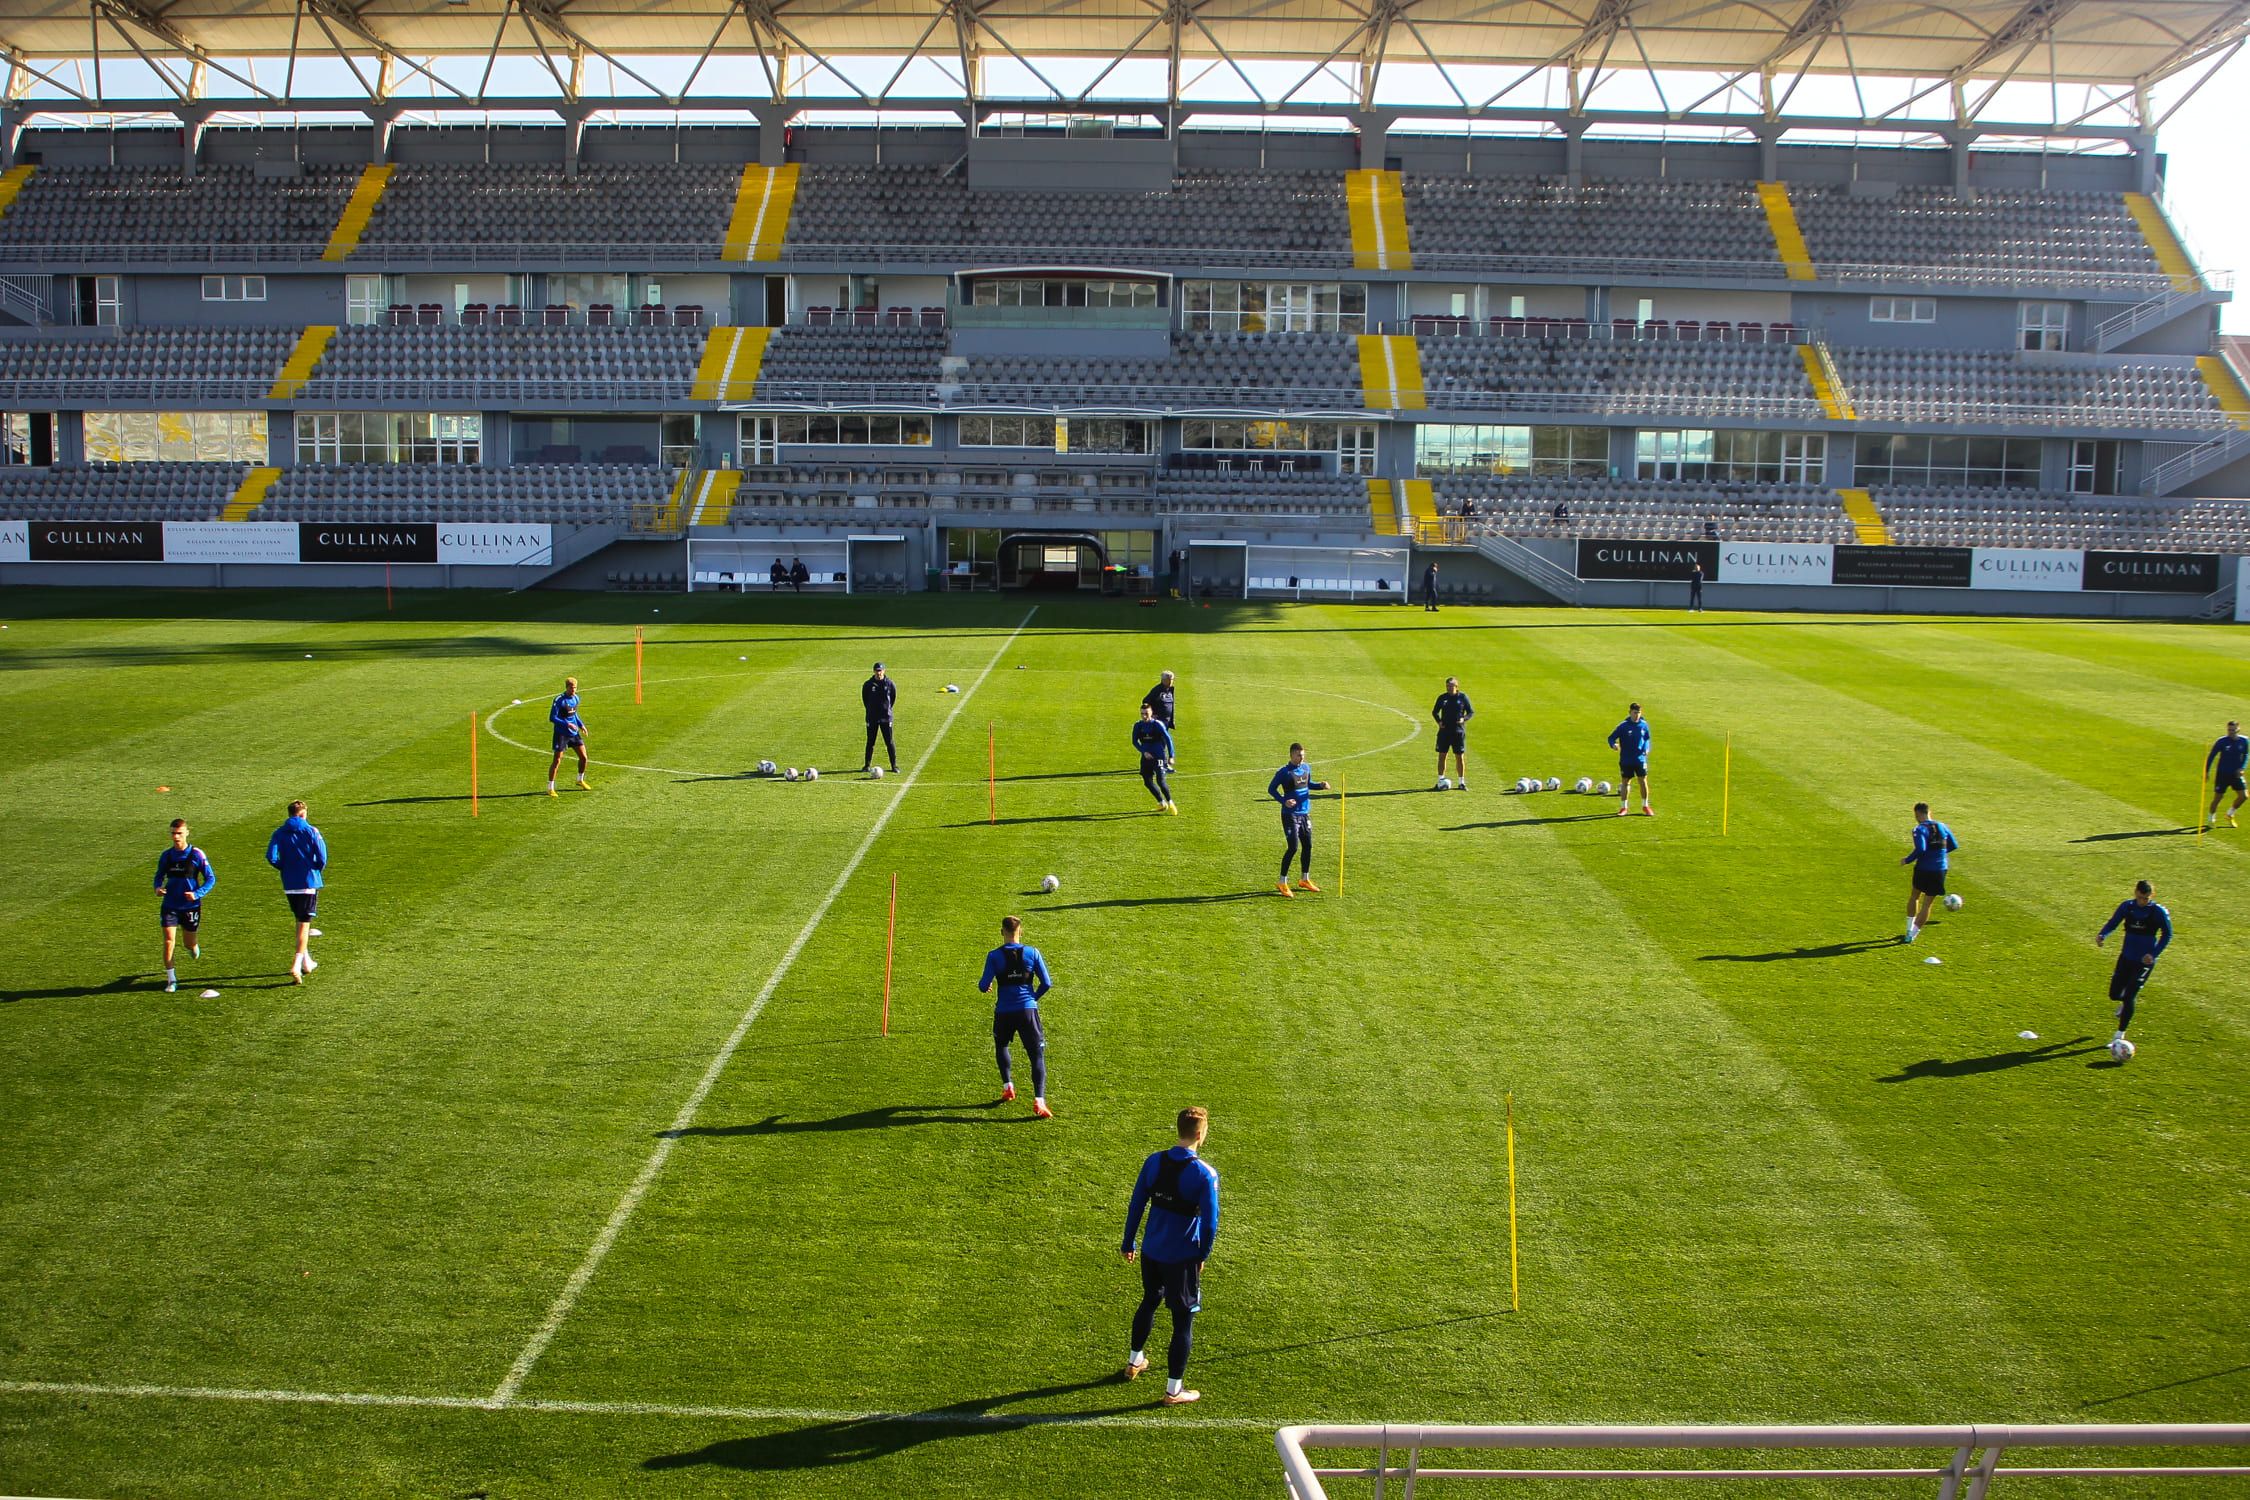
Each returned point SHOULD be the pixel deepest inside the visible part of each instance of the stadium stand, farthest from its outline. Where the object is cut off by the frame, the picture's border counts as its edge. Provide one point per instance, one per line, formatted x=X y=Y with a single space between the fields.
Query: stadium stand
x=1507 y=219
x=1618 y=375
x=2019 y=518
x=809 y=363
x=123 y=492
x=1997 y=385
x=1995 y=235
x=451 y=361
x=210 y=365
x=219 y=206
x=1230 y=370
x=585 y=494
x=1646 y=509
x=660 y=203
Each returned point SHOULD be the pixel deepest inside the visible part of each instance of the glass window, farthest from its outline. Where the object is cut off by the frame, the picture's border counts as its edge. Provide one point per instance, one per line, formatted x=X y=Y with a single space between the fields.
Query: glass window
x=214 y=289
x=2043 y=325
x=26 y=437
x=1457 y=448
x=373 y=437
x=1764 y=457
x=365 y=298
x=125 y=437
x=1902 y=309
x=1224 y=436
x=1914 y=459
x=857 y=429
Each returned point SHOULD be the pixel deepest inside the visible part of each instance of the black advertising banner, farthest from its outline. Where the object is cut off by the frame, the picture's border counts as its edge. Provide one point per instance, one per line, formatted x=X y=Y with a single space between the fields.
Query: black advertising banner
x=364 y=542
x=2152 y=572
x=1905 y=567
x=1662 y=561
x=96 y=541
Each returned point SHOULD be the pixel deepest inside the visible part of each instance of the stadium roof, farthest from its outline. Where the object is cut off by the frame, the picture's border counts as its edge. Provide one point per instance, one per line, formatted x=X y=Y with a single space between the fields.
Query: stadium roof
x=741 y=45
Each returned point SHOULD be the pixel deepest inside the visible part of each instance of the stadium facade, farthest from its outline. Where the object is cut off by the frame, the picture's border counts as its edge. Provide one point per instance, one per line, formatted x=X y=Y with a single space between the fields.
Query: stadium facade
x=1970 y=368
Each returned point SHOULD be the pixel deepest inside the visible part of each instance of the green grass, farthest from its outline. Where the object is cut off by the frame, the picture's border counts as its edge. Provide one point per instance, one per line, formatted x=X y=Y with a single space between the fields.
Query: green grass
x=1772 y=1166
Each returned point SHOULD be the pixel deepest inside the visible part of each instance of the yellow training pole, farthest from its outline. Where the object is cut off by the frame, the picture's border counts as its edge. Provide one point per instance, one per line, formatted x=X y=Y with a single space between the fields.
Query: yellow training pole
x=1726 y=786
x=1515 y=1287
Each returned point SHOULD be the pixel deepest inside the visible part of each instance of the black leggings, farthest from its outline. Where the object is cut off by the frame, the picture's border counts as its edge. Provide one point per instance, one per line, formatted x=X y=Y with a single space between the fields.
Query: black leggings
x=1007 y=1025
x=1298 y=829
x=1152 y=777
x=2125 y=983
x=1178 y=1284
x=890 y=746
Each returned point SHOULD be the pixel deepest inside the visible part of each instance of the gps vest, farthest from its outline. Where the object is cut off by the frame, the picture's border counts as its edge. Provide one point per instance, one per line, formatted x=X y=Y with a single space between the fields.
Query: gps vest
x=1166 y=1194
x=1015 y=969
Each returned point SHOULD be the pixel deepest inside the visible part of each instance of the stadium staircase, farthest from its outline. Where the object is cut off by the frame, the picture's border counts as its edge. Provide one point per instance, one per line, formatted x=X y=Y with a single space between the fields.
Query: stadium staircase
x=2227 y=389
x=358 y=210
x=1788 y=236
x=250 y=495
x=713 y=500
x=1549 y=578
x=1867 y=521
x=1386 y=509
x=728 y=371
x=1827 y=381
x=2163 y=243
x=1377 y=209
x=311 y=344
x=1390 y=372
x=762 y=204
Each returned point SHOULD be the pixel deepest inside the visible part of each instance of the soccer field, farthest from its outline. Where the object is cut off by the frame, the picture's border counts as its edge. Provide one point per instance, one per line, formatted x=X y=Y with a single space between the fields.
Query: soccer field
x=581 y=1166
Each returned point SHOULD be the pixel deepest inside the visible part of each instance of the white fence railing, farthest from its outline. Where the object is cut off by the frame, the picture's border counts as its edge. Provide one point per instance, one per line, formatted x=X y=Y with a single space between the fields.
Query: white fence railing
x=1968 y=1458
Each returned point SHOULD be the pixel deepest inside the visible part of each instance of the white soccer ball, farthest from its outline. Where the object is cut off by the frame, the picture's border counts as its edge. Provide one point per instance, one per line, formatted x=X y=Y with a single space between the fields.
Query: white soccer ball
x=1554 y=783
x=1583 y=784
x=2121 y=1049
x=1603 y=787
x=1050 y=883
x=790 y=774
x=876 y=772
x=1953 y=903
x=1445 y=783
x=949 y=687
x=812 y=774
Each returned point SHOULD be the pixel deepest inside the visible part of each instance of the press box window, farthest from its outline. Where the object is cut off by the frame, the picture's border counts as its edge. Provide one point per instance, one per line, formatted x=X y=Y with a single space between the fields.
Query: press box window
x=1902 y=309
x=234 y=288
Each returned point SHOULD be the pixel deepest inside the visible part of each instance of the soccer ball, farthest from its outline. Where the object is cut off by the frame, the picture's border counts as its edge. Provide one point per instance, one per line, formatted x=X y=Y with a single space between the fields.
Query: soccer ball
x=1554 y=783
x=1603 y=787
x=876 y=772
x=790 y=774
x=1050 y=883
x=2121 y=1049
x=1584 y=784
x=949 y=687
x=811 y=774
x=1445 y=783
x=1953 y=903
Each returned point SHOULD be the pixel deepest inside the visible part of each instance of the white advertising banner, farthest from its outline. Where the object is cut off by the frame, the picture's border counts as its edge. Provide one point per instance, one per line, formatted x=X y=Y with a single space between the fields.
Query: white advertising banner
x=2027 y=568
x=15 y=541
x=1776 y=562
x=530 y=544
x=230 y=541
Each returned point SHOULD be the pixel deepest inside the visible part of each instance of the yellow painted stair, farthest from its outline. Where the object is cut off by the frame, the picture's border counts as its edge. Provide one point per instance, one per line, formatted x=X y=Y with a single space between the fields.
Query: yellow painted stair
x=250 y=495
x=728 y=370
x=1390 y=372
x=1377 y=210
x=1866 y=520
x=2171 y=255
x=668 y=519
x=1386 y=508
x=1421 y=503
x=1821 y=373
x=298 y=368
x=2226 y=387
x=760 y=221
x=352 y=223
x=714 y=497
x=1788 y=238
x=11 y=183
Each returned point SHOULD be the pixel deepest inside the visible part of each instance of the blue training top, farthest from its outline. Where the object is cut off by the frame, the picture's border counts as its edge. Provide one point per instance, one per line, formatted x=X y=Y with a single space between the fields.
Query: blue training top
x=299 y=852
x=1150 y=737
x=563 y=713
x=1631 y=739
x=1292 y=788
x=1186 y=1231
x=181 y=872
x=2148 y=929
x=1021 y=974
x=2232 y=752
x=1933 y=841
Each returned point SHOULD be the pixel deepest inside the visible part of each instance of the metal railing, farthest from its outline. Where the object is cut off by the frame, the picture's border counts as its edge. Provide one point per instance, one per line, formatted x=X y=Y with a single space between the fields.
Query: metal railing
x=1538 y=571
x=2151 y=313
x=27 y=297
x=1747 y=334
x=1969 y=1470
x=2198 y=461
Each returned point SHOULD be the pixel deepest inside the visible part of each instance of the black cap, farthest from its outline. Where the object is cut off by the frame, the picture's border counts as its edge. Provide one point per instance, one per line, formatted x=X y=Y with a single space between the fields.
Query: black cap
x=878 y=666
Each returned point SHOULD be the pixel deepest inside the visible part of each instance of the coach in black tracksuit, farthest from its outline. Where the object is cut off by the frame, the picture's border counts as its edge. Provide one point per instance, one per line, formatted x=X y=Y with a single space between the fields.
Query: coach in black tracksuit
x=876 y=695
x=1160 y=701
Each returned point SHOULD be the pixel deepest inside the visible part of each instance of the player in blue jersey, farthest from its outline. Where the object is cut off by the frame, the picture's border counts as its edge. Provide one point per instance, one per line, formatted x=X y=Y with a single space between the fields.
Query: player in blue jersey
x=570 y=734
x=2148 y=932
x=1154 y=741
x=185 y=877
x=2228 y=756
x=1630 y=740
x=1933 y=844
x=1292 y=786
x=1179 y=1191
x=1021 y=974
x=300 y=855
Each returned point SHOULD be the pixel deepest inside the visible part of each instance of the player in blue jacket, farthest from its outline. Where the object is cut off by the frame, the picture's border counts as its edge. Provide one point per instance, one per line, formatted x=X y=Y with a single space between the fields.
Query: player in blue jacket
x=1021 y=974
x=301 y=855
x=570 y=734
x=1154 y=741
x=1179 y=1191
x=1933 y=843
x=2228 y=756
x=1292 y=786
x=2148 y=932
x=185 y=877
x=1630 y=740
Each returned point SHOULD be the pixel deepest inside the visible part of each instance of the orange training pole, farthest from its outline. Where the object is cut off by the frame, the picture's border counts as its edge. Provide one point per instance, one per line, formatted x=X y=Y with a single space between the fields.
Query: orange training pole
x=1343 y=829
x=637 y=664
x=991 y=774
x=472 y=762
x=890 y=949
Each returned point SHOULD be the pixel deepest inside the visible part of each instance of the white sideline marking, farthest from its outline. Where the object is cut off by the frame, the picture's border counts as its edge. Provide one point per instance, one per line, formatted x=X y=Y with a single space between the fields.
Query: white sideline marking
x=545 y=1333
x=939 y=1417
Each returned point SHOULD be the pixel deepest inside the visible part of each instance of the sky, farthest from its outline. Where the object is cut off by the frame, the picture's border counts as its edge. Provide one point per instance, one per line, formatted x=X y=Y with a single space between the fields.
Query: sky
x=2203 y=188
